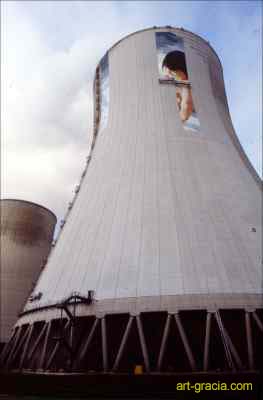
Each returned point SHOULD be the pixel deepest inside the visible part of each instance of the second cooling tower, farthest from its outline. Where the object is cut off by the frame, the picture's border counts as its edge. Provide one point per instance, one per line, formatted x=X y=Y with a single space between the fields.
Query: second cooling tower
x=158 y=263
x=26 y=237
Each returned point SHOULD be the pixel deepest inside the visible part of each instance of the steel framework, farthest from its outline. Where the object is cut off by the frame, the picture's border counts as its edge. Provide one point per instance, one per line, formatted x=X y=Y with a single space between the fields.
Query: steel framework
x=195 y=340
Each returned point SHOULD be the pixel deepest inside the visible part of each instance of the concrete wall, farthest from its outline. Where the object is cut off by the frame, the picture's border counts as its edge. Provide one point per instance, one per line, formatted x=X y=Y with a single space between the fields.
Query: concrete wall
x=161 y=211
x=26 y=236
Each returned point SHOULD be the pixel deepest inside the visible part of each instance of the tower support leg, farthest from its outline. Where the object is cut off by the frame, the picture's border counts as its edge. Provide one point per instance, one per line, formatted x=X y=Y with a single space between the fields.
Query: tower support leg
x=224 y=341
x=19 y=346
x=234 y=351
x=104 y=344
x=185 y=342
x=17 y=337
x=207 y=340
x=26 y=346
x=123 y=343
x=56 y=347
x=143 y=343
x=258 y=322
x=88 y=341
x=164 y=341
x=41 y=364
x=37 y=342
x=8 y=346
x=249 y=340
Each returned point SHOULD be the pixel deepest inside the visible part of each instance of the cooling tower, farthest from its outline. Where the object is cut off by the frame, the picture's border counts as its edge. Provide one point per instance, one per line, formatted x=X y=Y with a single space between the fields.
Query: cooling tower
x=157 y=267
x=26 y=236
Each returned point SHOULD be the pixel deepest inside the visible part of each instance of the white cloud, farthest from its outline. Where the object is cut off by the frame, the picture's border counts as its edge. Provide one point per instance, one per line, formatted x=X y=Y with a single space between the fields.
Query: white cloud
x=243 y=77
x=46 y=113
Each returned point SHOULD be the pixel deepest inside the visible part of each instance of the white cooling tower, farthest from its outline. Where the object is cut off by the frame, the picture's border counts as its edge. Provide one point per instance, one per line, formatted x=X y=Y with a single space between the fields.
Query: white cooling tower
x=163 y=240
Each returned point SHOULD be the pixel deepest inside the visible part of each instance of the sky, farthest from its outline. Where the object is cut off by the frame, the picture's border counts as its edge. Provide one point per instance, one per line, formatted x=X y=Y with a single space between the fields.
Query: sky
x=49 y=52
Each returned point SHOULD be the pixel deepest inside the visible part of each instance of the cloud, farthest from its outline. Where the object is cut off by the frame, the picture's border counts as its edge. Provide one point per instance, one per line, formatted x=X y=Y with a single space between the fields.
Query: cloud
x=48 y=57
x=243 y=79
x=46 y=113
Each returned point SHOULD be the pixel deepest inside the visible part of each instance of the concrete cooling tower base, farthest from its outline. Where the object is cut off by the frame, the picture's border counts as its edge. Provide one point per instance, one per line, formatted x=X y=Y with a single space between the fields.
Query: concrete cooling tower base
x=186 y=337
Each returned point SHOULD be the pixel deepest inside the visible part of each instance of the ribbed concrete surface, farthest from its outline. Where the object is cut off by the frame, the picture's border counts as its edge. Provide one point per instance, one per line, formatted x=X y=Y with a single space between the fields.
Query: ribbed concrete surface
x=26 y=236
x=161 y=211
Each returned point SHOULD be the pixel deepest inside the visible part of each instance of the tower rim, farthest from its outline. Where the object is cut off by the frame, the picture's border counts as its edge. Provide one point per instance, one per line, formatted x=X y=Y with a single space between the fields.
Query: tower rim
x=30 y=203
x=155 y=28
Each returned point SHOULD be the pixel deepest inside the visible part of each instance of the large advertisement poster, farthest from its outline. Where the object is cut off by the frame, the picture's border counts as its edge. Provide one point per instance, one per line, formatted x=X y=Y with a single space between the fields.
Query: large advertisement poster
x=173 y=70
x=104 y=91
